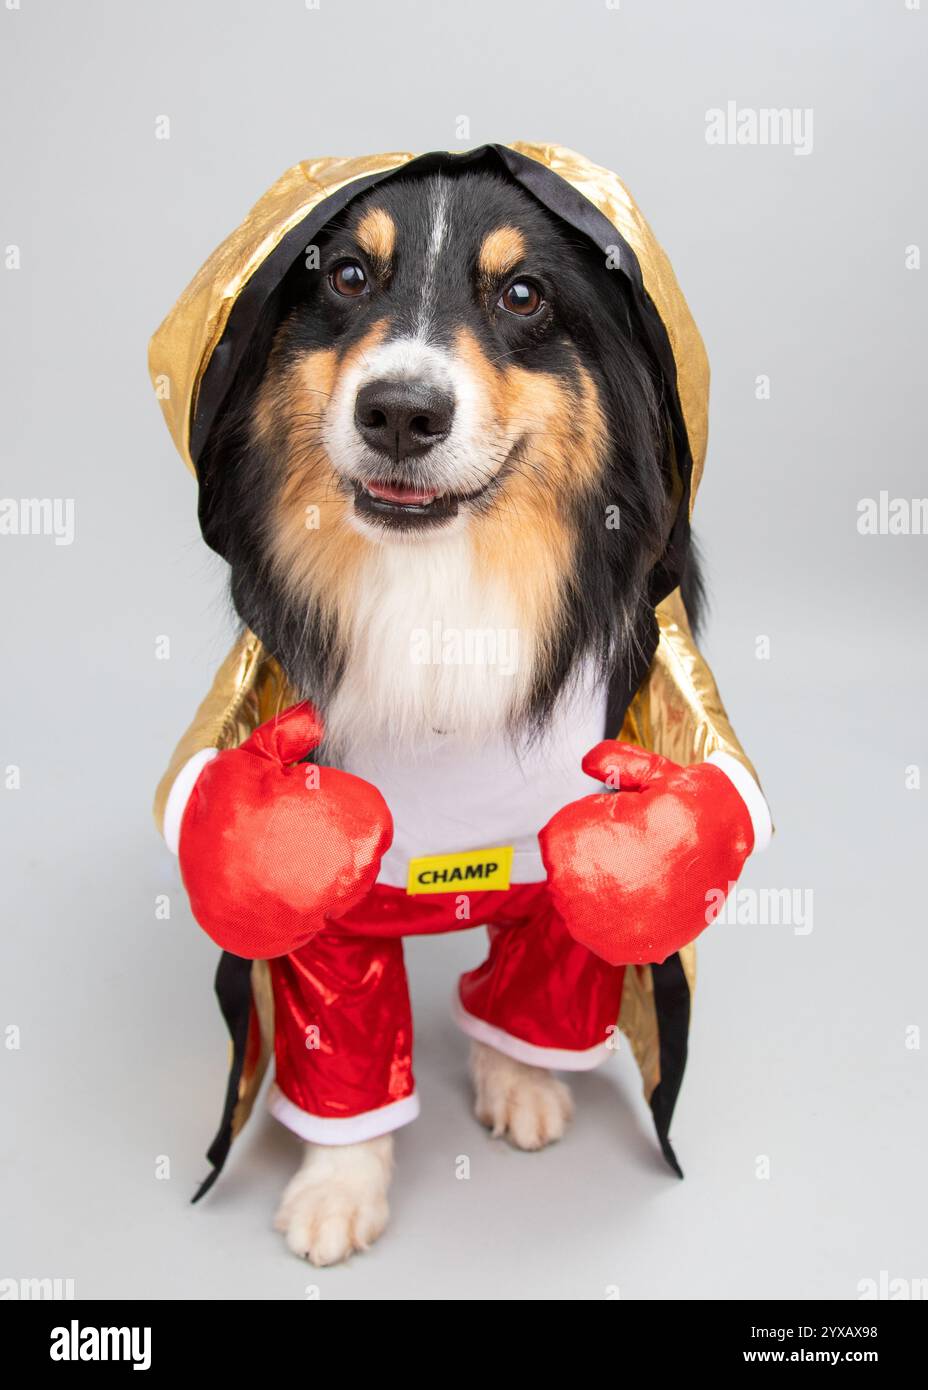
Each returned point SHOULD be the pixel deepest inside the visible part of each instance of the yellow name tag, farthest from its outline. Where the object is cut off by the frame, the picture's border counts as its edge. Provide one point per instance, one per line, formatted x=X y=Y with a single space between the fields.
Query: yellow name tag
x=485 y=869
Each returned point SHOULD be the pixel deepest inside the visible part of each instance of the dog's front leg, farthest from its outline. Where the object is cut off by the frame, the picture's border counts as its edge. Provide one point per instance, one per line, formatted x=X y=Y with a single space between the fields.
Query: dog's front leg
x=337 y=1201
x=527 y=1105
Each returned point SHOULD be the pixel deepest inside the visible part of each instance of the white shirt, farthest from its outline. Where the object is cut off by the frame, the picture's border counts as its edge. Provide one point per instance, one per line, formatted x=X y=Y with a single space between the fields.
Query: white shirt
x=447 y=797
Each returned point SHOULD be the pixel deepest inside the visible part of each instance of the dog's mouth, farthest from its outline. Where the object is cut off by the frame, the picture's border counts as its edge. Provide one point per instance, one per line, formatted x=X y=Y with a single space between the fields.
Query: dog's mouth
x=402 y=506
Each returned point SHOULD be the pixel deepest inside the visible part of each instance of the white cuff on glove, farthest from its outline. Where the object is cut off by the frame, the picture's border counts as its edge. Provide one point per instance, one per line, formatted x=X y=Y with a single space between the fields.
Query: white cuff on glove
x=750 y=794
x=179 y=795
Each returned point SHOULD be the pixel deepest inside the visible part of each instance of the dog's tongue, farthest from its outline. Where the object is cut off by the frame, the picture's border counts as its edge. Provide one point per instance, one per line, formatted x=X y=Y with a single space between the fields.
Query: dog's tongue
x=408 y=496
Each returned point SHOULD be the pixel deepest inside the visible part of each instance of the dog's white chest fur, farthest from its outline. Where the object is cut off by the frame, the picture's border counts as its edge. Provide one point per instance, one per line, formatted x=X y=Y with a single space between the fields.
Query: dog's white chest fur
x=438 y=661
x=434 y=645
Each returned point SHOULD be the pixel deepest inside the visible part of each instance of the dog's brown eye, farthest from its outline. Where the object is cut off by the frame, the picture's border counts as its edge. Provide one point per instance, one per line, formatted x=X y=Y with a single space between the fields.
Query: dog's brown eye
x=521 y=297
x=348 y=278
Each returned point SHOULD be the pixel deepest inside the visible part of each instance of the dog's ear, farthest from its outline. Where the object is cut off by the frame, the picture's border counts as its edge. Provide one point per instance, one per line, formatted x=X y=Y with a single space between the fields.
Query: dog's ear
x=226 y=448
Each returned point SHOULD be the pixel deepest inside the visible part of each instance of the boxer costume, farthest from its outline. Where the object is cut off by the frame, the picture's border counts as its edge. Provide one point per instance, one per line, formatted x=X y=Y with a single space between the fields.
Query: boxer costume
x=589 y=859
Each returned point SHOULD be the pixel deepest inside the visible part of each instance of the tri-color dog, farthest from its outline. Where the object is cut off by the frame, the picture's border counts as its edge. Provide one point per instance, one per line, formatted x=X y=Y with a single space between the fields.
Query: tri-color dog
x=446 y=451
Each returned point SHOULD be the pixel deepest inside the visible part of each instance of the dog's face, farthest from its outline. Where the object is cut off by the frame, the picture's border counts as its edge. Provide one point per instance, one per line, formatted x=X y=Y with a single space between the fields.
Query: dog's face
x=452 y=417
x=439 y=359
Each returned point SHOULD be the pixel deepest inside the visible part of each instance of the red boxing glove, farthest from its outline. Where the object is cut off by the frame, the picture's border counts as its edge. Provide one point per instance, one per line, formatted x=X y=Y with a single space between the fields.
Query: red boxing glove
x=638 y=872
x=269 y=846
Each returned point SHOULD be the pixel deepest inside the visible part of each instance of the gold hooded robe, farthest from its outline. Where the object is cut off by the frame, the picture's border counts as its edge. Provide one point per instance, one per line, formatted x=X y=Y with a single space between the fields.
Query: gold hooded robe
x=675 y=711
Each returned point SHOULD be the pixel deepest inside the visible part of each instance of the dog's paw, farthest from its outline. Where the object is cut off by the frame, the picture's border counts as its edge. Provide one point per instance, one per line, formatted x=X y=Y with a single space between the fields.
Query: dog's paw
x=526 y=1104
x=337 y=1202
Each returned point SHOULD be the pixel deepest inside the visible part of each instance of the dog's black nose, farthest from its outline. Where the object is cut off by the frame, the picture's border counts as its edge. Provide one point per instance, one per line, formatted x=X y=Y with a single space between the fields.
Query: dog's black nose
x=403 y=418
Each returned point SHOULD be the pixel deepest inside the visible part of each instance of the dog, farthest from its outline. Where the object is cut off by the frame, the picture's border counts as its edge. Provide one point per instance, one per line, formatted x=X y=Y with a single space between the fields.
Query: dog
x=447 y=415
x=446 y=428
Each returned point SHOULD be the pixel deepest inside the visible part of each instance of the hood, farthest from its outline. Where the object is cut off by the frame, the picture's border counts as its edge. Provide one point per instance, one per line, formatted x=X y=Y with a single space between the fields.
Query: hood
x=194 y=355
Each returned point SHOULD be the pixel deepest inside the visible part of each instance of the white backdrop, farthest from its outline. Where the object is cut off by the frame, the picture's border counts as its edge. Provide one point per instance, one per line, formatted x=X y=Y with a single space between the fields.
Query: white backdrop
x=797 y=269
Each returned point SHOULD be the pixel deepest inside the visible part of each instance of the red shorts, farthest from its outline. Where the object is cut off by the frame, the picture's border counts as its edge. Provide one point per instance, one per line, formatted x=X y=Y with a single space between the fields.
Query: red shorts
x=343 y=1030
